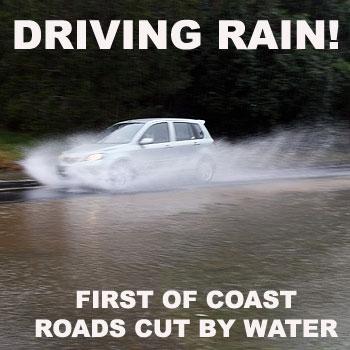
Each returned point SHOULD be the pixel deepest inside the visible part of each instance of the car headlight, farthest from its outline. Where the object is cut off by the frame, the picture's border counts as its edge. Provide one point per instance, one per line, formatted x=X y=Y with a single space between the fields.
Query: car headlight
x=95 y=156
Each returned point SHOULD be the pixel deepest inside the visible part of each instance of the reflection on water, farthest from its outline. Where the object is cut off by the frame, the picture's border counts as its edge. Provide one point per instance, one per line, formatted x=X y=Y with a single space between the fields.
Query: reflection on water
x=279 y=236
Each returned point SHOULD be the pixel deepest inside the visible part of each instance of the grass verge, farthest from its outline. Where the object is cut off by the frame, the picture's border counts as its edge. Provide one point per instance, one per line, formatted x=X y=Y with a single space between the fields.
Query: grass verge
x=12 y=147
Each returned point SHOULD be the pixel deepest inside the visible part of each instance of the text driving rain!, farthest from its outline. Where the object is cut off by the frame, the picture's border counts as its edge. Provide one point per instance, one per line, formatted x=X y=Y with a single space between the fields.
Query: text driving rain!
x=183 y=35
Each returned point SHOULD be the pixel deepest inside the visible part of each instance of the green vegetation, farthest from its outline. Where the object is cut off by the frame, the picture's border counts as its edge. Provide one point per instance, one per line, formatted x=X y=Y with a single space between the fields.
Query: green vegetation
x=11 y=149
x=237 y=92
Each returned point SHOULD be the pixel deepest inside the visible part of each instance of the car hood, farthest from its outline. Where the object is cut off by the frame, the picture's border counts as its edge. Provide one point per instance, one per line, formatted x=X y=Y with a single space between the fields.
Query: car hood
x=94 y=148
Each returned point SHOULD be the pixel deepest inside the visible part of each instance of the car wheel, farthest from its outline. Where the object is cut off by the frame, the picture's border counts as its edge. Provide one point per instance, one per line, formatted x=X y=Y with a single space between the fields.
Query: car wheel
x=121 y=175
x=205 y=170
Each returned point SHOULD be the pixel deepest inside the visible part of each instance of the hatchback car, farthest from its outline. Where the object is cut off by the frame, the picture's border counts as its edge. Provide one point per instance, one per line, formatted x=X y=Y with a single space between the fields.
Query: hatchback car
x=129 y=149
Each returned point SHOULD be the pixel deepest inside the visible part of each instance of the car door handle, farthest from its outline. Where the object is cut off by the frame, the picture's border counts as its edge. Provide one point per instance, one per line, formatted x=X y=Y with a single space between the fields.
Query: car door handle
x=169 y=146
x=196 y=143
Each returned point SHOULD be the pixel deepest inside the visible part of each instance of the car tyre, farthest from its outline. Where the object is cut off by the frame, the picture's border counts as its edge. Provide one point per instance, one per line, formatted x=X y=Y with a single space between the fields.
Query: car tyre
x=121 y=175
x=205 y=170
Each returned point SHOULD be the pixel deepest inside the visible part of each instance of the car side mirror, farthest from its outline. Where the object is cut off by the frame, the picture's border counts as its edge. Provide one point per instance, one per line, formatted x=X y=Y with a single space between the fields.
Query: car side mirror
x=146 y=141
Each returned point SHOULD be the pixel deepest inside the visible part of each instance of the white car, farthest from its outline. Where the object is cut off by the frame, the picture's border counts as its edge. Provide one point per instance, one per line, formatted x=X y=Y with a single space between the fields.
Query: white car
x=129 y=149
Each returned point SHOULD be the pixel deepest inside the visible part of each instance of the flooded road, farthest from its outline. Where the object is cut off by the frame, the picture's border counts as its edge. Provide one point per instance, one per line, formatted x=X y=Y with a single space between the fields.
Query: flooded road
x=291 y=234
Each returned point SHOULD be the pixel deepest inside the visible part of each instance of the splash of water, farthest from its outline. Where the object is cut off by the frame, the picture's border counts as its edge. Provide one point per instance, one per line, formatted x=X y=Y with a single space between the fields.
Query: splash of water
x=281 y=154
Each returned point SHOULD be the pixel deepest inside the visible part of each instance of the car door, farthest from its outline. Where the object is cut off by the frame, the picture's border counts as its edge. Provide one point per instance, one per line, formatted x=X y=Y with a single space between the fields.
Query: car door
x=186 y=142
x=156 y=154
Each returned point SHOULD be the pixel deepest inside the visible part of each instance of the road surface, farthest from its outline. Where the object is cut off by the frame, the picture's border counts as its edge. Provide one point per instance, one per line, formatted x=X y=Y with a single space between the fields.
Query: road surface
x=284 y=234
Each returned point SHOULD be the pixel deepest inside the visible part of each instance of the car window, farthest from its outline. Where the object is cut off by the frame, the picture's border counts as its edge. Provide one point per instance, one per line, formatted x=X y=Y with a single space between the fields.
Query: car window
x=188 y=131
x=184 y=131
x=158 y=132
x=197 y=130
x=120 y=133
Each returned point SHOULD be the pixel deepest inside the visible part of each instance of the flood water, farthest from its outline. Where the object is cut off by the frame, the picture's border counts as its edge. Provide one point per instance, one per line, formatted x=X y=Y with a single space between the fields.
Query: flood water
x=281 y=235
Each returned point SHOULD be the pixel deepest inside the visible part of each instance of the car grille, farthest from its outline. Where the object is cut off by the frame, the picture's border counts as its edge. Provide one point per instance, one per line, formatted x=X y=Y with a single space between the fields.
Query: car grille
x=61 y=171
x=70 y=160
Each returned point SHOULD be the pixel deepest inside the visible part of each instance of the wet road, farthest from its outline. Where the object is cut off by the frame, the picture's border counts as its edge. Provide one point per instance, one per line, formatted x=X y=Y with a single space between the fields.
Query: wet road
x=289 y=234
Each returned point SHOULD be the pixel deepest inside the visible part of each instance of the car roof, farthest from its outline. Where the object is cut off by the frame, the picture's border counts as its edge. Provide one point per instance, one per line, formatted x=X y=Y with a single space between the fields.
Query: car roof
x=147 y=120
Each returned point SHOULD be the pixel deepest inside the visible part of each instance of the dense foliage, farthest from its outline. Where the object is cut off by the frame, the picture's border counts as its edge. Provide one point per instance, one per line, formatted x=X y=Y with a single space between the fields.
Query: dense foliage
x=236 y=91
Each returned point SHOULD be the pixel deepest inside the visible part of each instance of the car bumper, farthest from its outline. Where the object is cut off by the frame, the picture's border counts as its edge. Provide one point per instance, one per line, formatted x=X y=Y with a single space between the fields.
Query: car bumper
x=79 y=170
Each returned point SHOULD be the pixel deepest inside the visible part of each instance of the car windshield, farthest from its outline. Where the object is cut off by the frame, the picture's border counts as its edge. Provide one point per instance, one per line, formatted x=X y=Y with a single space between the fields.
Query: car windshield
x=120 y=133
